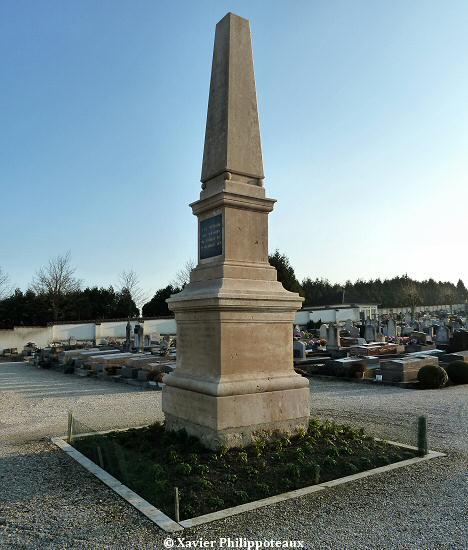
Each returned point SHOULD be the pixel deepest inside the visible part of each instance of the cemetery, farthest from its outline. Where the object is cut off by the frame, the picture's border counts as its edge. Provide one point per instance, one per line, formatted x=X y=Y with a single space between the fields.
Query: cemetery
x=386 y=351
x=237 y=427
x=224 y=409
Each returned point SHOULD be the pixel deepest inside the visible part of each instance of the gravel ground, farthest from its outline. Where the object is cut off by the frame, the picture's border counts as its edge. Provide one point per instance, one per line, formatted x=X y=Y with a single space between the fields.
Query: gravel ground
x=48 y=501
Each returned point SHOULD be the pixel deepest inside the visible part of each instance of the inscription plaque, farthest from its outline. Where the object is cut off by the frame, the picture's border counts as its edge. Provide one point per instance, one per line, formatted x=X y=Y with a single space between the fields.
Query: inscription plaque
x=211 y=237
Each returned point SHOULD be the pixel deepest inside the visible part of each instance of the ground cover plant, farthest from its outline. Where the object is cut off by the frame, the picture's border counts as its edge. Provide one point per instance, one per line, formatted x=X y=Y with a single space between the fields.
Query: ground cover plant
x=152 y=462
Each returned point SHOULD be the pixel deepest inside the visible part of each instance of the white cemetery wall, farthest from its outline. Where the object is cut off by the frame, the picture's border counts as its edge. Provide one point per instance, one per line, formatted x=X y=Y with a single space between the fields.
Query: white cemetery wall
x=351 y=314
x=161 y=326
x=20 y=336
x=114 y=329
x=77 y=331
x=302 y=318
x=324 y=315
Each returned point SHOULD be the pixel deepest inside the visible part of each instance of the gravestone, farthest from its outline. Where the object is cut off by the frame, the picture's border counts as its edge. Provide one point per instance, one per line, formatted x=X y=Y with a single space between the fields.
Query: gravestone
x=348 y=325
x=332 y=337
x=391 y=328
x=442 y=335
x=407 y=330
x=299 y=349
x=136 y=336
x=323 y=332
x=128 y=331
x=354 y=332
x=234 y=377
x=369 y=333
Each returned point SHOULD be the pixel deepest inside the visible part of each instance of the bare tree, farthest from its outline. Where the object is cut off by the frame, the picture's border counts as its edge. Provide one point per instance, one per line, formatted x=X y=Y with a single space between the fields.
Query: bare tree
x=410 y=294
x=182 y=277
x=5 y=287
x=56 y=280
x=129 y=282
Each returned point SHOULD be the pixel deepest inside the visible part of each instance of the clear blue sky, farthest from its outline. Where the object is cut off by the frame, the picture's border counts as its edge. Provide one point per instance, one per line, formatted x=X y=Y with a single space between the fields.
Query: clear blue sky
x=364 y=118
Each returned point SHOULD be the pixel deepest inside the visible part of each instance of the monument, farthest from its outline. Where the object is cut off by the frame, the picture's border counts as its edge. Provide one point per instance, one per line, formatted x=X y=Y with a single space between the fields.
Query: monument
x=234 y=377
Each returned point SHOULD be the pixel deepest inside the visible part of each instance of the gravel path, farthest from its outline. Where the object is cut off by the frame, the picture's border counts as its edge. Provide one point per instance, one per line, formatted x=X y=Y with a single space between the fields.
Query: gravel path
x=48 y=501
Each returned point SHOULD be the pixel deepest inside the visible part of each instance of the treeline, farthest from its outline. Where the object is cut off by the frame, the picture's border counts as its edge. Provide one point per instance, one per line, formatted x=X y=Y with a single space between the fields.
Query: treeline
x=32 y=309
x=55 y=294
x=396 y=292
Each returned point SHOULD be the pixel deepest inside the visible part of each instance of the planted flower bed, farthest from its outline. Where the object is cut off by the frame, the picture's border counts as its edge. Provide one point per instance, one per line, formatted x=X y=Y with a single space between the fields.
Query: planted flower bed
x=152 y=462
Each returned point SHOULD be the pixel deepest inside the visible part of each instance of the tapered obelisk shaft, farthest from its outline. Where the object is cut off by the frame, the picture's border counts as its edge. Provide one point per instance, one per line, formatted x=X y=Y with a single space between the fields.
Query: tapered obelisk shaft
x=234 y=377
x=232 y=137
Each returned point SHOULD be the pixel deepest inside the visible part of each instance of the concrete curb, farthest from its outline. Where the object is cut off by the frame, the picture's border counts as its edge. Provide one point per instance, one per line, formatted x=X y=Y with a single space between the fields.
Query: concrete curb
x=222 y=514
x=152 y=513
x=170 y=526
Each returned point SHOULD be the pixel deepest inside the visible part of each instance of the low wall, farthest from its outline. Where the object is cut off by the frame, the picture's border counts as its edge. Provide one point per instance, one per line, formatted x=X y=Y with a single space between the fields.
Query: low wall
x=18 y=337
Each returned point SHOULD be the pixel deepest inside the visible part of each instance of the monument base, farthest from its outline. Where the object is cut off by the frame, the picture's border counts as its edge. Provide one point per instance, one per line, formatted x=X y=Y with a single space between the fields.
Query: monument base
x=236 y=420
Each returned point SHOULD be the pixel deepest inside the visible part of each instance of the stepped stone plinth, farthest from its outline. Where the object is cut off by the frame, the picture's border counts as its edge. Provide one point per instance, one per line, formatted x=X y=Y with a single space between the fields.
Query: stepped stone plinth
x=234 y=377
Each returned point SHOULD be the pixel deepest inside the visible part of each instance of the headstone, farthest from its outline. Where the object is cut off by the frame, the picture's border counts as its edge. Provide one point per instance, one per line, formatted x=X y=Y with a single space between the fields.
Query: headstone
x=407 y=330
x=348 y=325
x=391 y=328
x=354 y=332
x=141 y=342
x=136 y=336
x=442 y=335
x=333 y=337
x=128 y=331
x=234 y=373
x=323 y=332
x=369 y=333
x=299 y=349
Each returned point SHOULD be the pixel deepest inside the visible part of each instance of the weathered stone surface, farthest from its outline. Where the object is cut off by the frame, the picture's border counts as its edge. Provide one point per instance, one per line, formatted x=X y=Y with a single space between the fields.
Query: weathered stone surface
x=234 y=374
x=232 y=137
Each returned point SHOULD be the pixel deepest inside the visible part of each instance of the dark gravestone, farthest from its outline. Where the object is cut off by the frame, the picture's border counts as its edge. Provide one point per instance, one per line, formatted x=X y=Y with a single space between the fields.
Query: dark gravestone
x=211 y=237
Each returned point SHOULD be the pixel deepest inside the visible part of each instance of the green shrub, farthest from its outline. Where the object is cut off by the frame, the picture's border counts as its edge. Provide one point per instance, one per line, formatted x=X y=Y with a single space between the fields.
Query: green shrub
x=432 y=377
x=458 y=372
x=262 y=488
x=183 y=469
x=243 y=457
x=173 y=457
x=292 y=471
x=214 y=502
x=230 y=478
x=241 y=495
x=201 y=469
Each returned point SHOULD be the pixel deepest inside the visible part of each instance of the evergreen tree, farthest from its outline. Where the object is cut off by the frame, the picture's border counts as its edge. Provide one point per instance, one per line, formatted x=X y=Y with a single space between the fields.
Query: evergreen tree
x=157 y=305
x=285 y=271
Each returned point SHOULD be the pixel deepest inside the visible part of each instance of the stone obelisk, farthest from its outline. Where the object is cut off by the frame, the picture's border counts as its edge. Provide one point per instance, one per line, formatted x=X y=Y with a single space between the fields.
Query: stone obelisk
x=234 y=378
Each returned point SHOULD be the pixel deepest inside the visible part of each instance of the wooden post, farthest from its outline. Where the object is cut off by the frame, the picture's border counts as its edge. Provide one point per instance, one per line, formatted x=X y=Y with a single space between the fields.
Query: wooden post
x=422 y=436
x=101 y=461
x=70 y=427
x=176 y=504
